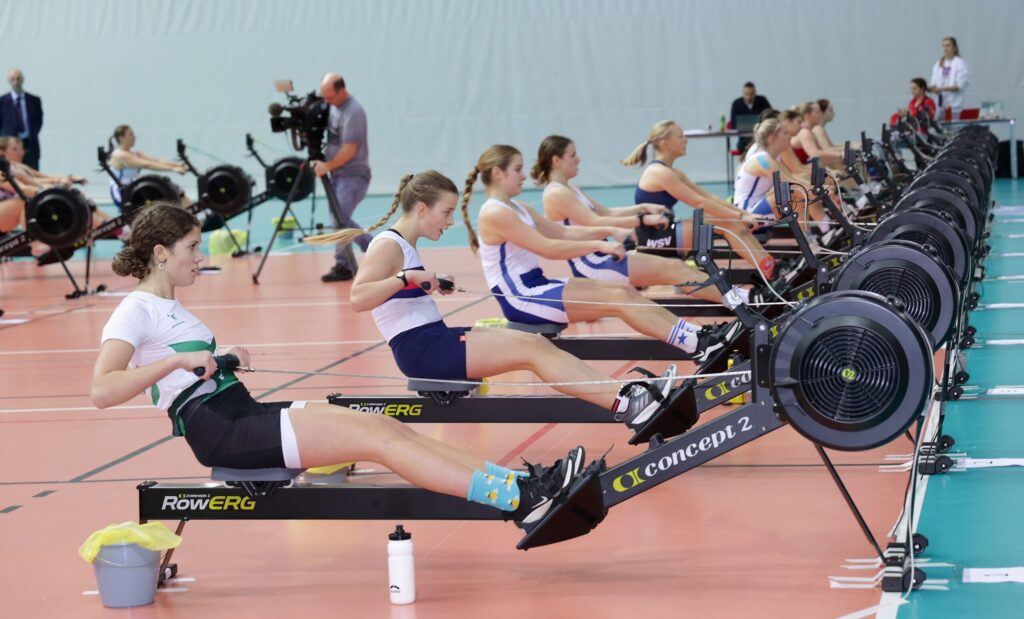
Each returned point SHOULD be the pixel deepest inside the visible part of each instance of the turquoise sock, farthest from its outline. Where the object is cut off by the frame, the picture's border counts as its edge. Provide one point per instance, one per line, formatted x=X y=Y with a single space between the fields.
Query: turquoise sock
x=502 y=472
x=500 y=492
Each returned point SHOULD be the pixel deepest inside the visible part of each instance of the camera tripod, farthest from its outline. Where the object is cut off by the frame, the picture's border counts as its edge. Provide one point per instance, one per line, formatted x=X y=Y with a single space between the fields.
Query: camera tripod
x=332 y=201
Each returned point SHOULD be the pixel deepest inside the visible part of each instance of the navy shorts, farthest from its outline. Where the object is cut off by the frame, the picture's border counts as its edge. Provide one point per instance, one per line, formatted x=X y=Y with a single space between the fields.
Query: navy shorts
x=233 y=430
x=433 y=350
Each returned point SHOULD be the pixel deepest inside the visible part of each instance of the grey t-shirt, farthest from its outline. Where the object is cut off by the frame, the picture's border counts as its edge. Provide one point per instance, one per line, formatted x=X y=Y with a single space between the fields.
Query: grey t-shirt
x=346 y=124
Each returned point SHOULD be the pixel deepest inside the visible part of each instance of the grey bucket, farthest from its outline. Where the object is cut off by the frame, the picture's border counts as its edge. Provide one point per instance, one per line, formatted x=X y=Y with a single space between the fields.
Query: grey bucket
x=126 y=575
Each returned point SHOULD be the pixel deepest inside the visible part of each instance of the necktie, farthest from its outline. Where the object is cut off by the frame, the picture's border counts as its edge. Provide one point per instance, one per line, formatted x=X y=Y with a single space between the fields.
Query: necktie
x=17 y=114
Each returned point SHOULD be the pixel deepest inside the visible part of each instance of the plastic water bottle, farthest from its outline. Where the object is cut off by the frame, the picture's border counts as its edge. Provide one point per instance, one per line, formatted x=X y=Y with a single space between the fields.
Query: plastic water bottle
x=721 y=124
x=401 y=567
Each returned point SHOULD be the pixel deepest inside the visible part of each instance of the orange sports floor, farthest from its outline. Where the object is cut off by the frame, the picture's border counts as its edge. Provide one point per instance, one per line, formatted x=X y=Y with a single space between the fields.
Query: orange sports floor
x=754 y=533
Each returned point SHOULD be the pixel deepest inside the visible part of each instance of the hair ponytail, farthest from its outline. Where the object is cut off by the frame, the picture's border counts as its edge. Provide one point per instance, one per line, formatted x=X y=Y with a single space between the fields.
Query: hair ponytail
x=426 y=187
x=115 y=138
x=550 y=147
x=343 y=237
x=498 y=156
x=638 y=156
x=659 y=132
x=467 y=193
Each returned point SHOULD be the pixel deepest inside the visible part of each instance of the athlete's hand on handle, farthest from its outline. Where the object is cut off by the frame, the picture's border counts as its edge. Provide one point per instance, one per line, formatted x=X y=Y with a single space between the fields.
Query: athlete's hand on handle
x=614 y=249
x=226 y=362
x=621 y=234
x=654 y=209
x=659 y=220
x=426 y=281
x=200 y=362
x=241 y=358
x=446 y=283
x=753 y=221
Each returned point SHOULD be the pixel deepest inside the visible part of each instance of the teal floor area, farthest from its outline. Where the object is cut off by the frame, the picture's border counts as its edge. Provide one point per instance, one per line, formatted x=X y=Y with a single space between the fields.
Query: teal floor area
x=973 y=517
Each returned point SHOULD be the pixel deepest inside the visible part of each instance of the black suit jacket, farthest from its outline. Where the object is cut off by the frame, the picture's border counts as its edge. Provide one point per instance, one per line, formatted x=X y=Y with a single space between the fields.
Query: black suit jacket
x=9 y=119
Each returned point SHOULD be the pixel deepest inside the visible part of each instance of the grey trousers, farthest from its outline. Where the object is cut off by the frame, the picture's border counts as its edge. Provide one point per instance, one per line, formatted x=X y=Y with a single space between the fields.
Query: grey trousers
x=349 y=192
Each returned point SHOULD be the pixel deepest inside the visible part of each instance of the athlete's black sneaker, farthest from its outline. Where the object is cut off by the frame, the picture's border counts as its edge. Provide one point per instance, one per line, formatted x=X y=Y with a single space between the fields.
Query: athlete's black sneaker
x=642 y=399
x=55 y=255
x=759 y=295
x=337 y=273
x=711 y=339
x=544 y=487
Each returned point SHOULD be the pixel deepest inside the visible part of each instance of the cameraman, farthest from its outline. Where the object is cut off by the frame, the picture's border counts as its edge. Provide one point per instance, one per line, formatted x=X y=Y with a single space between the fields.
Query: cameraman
x=347 y=162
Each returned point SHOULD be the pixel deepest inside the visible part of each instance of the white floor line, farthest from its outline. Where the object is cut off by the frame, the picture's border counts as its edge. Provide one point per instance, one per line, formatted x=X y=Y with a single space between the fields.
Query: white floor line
x=88 y=409
x=889 y=603
x=1005 y=278
x=107 y=309
x=62 y=351
x=998 y=306
x=74 y=409
x=160 y=590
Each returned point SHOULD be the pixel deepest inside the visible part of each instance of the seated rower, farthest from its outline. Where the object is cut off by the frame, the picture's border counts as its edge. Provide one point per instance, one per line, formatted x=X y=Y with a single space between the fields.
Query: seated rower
x=128 y=163
x=14 y=149
x=557 y=164
x=805 y=142
x=513 y=238
x=31 y=182
x=393 y=283
x=661 y=183
x=152 y=344
x=754 y=178
x=12 y=208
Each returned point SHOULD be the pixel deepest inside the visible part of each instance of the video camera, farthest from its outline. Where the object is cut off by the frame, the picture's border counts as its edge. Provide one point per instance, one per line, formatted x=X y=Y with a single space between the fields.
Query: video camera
x=306 y=118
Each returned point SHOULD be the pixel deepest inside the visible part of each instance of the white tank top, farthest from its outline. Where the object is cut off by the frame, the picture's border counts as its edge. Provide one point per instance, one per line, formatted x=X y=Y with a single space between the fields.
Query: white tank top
x=749 y=188
x=411 y=306
x=125 y=176
x=582 y=197
x=508 y=260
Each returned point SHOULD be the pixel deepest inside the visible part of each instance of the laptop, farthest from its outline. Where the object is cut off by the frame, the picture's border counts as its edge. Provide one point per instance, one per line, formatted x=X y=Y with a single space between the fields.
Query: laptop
x=745 y=123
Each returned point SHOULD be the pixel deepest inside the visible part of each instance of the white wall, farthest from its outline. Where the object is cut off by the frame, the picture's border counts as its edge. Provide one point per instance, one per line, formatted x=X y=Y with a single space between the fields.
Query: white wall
x=442 y=79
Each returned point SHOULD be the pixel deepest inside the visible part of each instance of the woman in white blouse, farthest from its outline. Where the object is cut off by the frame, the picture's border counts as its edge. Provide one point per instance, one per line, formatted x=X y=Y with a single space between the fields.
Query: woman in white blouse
x=950 y=77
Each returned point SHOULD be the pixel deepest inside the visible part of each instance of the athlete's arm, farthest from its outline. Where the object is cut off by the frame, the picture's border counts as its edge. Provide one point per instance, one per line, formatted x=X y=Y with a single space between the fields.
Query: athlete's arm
x=500 y=225
x=375 y=281
x=113 y=383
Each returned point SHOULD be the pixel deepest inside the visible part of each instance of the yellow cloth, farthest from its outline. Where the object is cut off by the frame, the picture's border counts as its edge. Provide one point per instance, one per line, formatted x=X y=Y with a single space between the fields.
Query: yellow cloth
x=152 y=536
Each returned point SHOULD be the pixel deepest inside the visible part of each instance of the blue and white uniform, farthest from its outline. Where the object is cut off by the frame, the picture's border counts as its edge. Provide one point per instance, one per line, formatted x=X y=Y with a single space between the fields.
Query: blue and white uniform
x=751 y=192
x=125 y=176
x=423 y=346
x=514 y=275
x=597 y=265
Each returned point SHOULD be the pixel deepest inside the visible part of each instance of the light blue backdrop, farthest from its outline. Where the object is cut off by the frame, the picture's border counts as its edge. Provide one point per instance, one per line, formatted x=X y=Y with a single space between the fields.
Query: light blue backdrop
x=443 y=79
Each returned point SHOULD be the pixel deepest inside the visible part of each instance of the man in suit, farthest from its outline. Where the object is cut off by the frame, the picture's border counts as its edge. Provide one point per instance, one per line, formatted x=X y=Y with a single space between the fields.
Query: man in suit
x=749 y=104
x=21 y=115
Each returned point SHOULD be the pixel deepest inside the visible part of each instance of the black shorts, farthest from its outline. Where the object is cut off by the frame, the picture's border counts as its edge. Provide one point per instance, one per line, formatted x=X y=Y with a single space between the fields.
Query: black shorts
x=233 y=430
